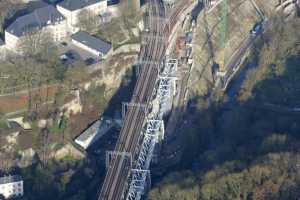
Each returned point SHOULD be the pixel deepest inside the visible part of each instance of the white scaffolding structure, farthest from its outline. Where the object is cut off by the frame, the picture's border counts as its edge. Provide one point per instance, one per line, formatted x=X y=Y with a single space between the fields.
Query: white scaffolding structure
x=167 y=85
x=140 y=175
x=154 y=130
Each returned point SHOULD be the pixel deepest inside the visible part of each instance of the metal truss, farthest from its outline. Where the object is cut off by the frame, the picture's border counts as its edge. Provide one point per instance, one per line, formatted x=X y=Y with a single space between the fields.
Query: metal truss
x=170 y=67
x=207 y=3
x=169 y=2
x=154 y=134
x=139 y=179
x=167 y=84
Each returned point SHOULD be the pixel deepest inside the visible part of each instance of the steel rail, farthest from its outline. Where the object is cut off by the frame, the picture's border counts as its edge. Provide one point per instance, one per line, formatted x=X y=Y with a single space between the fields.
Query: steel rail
x=117 y=173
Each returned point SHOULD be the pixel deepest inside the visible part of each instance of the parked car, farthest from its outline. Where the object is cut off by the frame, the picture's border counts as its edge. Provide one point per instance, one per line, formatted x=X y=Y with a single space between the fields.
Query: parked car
x=69 y=57
x=90 y=61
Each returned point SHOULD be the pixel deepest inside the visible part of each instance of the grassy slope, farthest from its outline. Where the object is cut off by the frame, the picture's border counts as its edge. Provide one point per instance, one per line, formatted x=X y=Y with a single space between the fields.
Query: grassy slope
x=241 y=18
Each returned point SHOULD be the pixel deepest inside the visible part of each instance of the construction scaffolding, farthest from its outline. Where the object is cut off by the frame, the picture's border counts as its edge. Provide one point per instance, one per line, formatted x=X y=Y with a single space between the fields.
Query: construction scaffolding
x=154 y=130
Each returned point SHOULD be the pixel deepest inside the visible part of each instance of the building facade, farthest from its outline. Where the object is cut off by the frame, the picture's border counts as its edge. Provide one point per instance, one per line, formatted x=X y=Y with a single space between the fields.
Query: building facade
x=94 y=132
x=92 y=44
x=46 y=19
x=71 y=9
x=11 y=186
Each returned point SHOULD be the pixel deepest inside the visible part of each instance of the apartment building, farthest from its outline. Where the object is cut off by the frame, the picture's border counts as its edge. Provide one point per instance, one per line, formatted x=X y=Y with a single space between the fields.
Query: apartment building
x=11 y=186
x=46 y=19
x=71 y=9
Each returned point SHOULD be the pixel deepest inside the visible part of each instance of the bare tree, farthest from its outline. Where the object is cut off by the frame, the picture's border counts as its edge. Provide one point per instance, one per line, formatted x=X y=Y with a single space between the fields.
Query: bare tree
x=44 y=141
x=8 y=9
x=38 y=44
x=88 y=21
x=130 y=11
x=130 y=14
x=39 y=56
x=6 y=161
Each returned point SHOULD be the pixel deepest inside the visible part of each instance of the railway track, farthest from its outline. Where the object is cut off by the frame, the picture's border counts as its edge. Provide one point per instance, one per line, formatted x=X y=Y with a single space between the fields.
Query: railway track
x=130 y=134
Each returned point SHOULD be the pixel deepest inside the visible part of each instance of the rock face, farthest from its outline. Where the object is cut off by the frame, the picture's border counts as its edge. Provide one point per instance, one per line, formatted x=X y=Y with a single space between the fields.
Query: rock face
x=26 y=158
x=23 y=159
x=74 y=106
x=68 y=150
x=11 y=141
x=114 y=70
x=21 y=122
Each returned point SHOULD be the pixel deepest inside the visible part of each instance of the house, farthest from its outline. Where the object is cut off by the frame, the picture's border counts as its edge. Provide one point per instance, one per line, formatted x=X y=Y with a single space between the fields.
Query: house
x=46 y=19
x=11 y=186
x=72 y=8
x=92 y=44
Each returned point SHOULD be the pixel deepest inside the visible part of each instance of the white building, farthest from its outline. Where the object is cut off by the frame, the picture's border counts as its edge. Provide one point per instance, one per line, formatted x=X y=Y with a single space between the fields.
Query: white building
x=11 y=186
x=71 y=9
x=46 y=19
x=92 y=44
x=94 y=132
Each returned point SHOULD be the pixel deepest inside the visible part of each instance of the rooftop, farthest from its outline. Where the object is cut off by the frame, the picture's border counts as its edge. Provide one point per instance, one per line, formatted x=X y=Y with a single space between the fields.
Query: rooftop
x=92 y=42
x=10 y=179
x=100 y=125
x=34 y=21
x=77 y=4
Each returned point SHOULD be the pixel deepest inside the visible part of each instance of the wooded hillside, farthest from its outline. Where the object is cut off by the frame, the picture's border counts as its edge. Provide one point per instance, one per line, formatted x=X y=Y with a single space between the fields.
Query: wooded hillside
x=250 y=150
